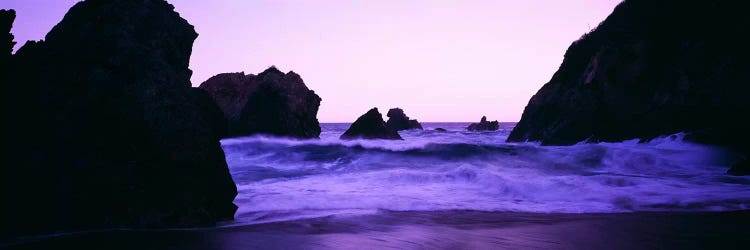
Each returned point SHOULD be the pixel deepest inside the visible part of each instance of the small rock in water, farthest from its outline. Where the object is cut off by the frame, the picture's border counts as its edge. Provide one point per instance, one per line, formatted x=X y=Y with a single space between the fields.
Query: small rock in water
x=484 y=125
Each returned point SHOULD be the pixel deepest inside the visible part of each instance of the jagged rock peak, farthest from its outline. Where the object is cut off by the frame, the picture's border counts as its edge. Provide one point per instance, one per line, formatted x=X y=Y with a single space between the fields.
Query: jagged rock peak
x=6 y=38
x=370 y=126
x=108 y=130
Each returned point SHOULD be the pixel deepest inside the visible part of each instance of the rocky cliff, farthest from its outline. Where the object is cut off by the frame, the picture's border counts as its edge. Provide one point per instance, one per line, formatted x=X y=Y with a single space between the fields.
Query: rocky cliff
x=651 y=68
x=103 y=128
x=6 y=38
x=270 y=103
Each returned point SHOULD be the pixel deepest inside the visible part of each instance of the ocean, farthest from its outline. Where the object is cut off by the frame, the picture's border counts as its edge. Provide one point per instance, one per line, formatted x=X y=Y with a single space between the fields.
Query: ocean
x=288 y=179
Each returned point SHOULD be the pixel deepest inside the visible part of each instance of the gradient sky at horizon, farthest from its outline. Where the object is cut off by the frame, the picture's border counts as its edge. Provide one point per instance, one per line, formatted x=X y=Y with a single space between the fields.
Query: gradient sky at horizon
x=438 y=60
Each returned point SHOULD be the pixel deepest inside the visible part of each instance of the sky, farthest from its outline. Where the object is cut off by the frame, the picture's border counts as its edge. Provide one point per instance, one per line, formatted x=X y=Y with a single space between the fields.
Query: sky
x=440 y=61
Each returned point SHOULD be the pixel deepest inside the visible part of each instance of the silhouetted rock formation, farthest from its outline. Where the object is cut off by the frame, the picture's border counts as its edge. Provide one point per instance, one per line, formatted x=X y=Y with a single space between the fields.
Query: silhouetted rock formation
x=441 y=129
x=370 y=126
x=104 y=129
x=397 y=121
x=6 y=38
x=651 y=68
x=270 y=103
x=484 y=125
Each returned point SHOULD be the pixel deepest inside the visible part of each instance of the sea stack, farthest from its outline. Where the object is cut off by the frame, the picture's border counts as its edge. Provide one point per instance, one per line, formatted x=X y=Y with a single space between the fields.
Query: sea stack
x=271 y=103
x=484 y=125
x=651 y=68
x=105 y=130
x=370 y=126
x=397 y=121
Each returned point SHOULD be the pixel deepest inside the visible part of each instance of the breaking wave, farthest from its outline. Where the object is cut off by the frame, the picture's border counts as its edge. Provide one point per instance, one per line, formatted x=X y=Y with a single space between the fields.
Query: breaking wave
x=281 y=179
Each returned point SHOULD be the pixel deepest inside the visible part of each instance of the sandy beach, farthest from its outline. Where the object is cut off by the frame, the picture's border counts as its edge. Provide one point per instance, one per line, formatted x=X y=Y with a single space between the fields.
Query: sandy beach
x=436 y=230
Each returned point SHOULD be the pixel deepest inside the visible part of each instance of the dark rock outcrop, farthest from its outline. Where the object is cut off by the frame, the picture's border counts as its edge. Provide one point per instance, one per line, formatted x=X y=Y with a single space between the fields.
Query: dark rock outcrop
x=398 y=121
x=441 y=129
x=651 y=68
x=740 y=168
x=270 y=103
x=104 y=130
x=6 y=38
x=370 y=126
x=484 y=125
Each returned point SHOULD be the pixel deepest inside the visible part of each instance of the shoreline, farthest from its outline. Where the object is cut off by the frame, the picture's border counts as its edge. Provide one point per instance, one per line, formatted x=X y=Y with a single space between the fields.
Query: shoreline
x=434 y=229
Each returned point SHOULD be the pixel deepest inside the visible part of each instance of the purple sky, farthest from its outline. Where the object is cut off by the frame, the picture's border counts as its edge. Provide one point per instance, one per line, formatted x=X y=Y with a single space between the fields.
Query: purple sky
x=438 y=60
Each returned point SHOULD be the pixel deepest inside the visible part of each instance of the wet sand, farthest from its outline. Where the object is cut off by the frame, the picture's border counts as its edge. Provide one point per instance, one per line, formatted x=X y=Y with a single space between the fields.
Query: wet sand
x=436 y=230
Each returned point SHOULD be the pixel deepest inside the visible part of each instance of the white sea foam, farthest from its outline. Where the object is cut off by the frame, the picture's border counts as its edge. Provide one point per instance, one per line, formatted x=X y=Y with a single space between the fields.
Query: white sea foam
x=282 y=179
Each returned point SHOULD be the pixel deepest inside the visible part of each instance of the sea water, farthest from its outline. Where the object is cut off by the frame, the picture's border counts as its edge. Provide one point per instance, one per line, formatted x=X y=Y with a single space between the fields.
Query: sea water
x=282 y=179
